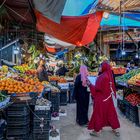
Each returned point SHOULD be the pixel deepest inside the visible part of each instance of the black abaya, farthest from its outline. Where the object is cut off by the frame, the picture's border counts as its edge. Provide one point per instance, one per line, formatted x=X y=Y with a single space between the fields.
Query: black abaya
x=82 y=99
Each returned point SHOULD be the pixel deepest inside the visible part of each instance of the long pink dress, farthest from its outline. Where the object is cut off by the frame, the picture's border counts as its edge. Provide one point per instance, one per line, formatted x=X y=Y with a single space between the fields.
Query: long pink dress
x=104 y=113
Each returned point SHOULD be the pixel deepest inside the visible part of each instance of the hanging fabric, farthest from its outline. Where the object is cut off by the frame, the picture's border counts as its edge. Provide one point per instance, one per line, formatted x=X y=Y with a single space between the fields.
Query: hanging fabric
x=52 y=9
x=75 y=30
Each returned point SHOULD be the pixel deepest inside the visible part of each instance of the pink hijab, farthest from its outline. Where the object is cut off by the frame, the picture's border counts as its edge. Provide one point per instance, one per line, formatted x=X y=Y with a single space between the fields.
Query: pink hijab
x=84 y=74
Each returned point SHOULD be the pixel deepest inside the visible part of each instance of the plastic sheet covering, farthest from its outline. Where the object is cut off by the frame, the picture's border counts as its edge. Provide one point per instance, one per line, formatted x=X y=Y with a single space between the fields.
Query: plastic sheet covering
x=75 y=30
x=78 y=7
x=114 y=20
x=52 y=9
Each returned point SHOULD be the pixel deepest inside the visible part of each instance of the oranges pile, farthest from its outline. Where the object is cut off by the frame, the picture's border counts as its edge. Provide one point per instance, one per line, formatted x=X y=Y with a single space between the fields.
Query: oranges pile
x=62 y=80
x=14 y=86
x=54 y=78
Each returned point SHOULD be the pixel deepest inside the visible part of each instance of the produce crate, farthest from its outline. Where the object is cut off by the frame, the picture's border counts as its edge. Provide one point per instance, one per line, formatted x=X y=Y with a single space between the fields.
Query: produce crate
x=139 y=113
x=41 y=136
x=121 y=106
x=18 y=121
x=18 y=137
x=71 y=90
x=2 y=128
x=55 y=100
x=46 y=114
x=132 y=113
x=63 y=97
x=38 y=129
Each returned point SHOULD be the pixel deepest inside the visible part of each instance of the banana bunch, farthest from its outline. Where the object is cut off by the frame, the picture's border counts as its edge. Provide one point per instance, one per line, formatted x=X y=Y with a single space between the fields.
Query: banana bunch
x=4 y=68
x=22 y=68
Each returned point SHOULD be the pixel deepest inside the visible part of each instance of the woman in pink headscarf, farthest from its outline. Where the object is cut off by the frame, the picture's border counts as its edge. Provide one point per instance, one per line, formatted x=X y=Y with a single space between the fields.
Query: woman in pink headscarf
x=104 y=112
x=81 y=95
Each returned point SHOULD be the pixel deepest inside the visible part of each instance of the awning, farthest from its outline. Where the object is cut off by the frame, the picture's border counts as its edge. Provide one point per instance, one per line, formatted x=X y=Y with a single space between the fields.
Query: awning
x=114 y=20
x=75 y=30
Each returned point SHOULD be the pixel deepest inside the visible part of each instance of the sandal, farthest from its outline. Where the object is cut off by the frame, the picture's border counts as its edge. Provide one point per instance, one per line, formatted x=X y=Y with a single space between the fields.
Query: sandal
x=117 y=133
x=95 y=134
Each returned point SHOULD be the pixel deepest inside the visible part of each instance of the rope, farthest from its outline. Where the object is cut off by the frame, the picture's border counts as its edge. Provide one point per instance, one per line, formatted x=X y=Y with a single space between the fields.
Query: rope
x=2 y=3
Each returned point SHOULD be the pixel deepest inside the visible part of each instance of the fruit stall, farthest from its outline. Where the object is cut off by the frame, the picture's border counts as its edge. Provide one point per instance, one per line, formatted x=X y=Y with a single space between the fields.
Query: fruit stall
x=129 y=95
x=25 y=99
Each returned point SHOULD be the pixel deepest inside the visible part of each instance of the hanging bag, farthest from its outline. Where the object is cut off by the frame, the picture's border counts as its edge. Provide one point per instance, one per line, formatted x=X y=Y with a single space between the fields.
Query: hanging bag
x=113 y=95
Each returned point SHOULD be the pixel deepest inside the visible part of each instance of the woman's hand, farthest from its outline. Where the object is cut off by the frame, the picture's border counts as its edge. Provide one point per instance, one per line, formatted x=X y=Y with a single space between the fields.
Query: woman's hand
x=88 y=82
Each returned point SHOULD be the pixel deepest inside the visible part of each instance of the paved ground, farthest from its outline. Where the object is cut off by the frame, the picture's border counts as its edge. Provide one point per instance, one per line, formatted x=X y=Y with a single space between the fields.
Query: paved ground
x=70 y=131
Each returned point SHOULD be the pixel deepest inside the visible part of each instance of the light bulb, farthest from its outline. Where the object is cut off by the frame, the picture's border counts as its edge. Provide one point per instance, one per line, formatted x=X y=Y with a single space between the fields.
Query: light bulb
x=123 y=52
x=136 y=56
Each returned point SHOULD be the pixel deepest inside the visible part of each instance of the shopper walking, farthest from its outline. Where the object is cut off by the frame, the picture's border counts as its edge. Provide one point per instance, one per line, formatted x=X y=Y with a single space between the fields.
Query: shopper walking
x=104 y=112
x=81 y=95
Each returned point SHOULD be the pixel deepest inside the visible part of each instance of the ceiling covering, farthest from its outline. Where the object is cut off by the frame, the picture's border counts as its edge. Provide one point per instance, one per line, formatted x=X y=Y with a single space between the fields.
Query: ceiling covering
x=20 y=11
x=126 y=5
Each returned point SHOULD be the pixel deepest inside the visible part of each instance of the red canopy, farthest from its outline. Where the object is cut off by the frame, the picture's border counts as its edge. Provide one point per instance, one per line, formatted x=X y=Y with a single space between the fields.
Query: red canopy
x=75 y=30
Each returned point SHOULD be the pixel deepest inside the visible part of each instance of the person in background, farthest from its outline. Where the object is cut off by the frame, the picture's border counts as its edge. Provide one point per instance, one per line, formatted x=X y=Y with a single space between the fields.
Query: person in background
x=62 y=70
x=42 y=72
x=104 y=112
x=81 y=95
x=50 y=70
x=131 y=66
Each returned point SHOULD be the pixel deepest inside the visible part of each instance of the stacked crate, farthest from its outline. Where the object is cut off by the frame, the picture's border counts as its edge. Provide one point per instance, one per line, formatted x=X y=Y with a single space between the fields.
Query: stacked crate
x=41 y=126
x=63 y=97
x=55 y=101
x=18 y=122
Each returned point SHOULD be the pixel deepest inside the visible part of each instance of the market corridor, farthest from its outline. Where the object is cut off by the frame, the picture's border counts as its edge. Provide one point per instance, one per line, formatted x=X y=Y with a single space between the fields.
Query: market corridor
x=70 y=131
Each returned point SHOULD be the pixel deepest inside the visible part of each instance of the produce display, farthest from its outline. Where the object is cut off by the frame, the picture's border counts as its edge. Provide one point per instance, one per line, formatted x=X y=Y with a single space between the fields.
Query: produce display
x=4 y=68
x=21 y=85
x=135 y=80
x=58 y=79
x=54 y=78
x=62 y=80
x=127 y=76
x=133 y=99
x=22 y=68
x=119 y=70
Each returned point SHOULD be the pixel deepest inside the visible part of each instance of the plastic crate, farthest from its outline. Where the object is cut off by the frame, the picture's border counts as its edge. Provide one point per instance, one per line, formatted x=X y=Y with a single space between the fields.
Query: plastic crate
x=18 y=137
x=41 y=136
x=55 y=100
x=37 y=128
x=46 y=114
x=63 y=97
x=18 y=130
x=18 y=121
x=139 y=113
x=132 y=113
x=121 y=106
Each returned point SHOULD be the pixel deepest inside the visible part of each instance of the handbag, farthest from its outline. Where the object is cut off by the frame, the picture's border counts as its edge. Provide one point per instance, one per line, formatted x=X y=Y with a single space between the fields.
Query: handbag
x=113 y=95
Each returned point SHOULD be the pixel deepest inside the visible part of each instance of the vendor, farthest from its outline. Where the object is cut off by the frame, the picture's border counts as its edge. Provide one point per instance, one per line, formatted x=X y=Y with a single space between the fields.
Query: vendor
x=62 y=70
x=42 y=72
x=131 y=66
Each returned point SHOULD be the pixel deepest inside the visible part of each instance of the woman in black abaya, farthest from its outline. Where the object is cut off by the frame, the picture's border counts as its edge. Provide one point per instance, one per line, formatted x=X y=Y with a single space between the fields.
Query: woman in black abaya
x=81 y=96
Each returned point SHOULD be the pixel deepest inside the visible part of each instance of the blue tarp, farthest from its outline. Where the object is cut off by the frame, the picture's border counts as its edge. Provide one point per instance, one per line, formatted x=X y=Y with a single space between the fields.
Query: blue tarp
x=114 y=20
x=135 y=16
x=78 y=7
